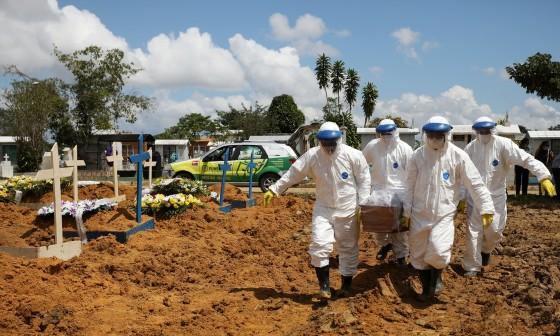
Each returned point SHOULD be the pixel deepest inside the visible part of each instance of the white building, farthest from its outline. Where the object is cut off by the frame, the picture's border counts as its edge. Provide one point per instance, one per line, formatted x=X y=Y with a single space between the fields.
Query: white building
x=538 y=137
x=172 y=150
x=278 y=138
x=407 y=135
x=463 y=134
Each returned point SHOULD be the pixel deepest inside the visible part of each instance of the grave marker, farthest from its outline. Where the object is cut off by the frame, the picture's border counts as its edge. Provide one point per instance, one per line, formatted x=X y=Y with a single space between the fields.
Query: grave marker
x=75 y=163
x=6 y=168
x=150 y=164
x=139 y=159
x=116 y=159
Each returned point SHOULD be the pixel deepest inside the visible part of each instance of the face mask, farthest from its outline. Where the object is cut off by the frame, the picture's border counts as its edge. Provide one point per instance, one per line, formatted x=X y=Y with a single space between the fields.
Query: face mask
x=435 y=144
x=329 y=146
x=386 y=138
x=485 y=138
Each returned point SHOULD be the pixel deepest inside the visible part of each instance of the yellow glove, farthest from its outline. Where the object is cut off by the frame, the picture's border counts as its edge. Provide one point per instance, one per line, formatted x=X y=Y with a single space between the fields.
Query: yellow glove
x=487 y=219
x=268 y=197
x=547 y=185
x=461 y=206
x=405 y=222
x=359 y=215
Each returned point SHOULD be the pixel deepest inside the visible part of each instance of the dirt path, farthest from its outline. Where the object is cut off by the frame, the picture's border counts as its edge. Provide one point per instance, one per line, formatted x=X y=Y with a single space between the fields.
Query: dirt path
x=248 y=273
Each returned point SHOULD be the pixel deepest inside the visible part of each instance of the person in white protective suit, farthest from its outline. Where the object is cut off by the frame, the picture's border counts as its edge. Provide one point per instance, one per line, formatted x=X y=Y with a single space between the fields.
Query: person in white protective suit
x=493 y=156
x=436 y=174
x=342 y=182
x=387 y=157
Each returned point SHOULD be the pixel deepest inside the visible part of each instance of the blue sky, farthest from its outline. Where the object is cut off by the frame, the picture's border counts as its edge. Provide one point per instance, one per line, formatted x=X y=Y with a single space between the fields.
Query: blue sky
x=444 y=57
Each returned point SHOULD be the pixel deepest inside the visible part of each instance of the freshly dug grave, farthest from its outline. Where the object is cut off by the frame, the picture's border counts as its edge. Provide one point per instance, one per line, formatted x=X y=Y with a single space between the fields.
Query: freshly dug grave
x=94 y=191
x=231 y=192
x=20 y=226
x=248 y=273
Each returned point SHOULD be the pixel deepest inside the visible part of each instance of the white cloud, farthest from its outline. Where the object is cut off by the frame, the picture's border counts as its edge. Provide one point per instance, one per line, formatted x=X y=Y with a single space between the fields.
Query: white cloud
x=535 y=114
x=31 y=28
x=342 y=33
x=190 y=59
x=376 y=70
x=458 y=104
x=304 y=35
x=489 y=71
x=408 y=40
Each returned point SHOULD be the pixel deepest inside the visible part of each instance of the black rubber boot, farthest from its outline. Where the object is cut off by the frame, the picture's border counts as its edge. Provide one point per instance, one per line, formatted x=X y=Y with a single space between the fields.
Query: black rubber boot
x=485 y=259
x=324 y=286
x=437 y=281
x=346 y=286
x=382 y=254
x=425 y=278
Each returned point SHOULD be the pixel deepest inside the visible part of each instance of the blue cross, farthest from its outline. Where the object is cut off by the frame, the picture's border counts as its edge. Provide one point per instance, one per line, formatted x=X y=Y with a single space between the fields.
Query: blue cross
x=139 y=159
x=224 y=168
x=252 y=165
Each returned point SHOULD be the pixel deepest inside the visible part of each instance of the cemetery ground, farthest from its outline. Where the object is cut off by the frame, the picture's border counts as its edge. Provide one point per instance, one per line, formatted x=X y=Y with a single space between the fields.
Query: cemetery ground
x=248 y=273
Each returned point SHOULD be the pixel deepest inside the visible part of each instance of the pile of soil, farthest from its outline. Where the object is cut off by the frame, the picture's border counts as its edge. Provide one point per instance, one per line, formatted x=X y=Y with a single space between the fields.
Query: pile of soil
x=248 y=272
x=231 y=192
x=91 y=192
x=21 y=227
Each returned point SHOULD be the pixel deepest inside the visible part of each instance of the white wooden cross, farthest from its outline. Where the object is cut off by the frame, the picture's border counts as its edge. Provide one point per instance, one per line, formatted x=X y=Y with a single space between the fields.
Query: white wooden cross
x=6 y=157
x=115 y=158
x=75 y=163
x=150 y=164
x=56 y=173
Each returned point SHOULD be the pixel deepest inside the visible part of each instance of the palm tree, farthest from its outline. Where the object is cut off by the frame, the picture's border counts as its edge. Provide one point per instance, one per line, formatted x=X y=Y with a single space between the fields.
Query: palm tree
x=323 y=72
x=337 y=78
x=351 y=86
x=369 y=98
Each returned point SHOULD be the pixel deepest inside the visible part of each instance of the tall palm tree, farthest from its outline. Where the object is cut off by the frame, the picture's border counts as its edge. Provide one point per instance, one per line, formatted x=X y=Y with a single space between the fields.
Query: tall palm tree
x=369 y=98
x=323 y=72
x=337 y=78
x=351 y=86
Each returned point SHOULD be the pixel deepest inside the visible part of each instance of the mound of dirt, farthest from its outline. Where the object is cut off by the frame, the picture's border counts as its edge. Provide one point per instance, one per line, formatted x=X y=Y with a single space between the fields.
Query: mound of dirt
x=248 y=272
x=231 y=192
x=91 y=192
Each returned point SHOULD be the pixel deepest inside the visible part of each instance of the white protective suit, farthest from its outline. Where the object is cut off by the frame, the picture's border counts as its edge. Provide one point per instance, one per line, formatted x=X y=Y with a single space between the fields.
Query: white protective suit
x=342 y=182
x=493 y=161
x=388 y=161
x=434 y=183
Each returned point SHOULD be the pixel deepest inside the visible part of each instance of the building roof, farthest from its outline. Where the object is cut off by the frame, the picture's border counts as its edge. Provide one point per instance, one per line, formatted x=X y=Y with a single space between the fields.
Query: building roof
x=270 y=138
x=7 y=139
x=172 y=142
x=371 y=130
x=544 y=134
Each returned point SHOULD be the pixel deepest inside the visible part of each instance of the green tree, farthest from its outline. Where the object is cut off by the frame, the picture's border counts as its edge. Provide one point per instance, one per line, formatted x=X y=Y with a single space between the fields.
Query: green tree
x=29 y=105
x=284 y=115
x=98 y=89
x=554 y=128
x=323 y=72
x=351 y=85
x=369 y=99
x=250 y=120
x=342 y=119
x=539 y=75
x=337 y=79
x=400 y=122
x=190 y=126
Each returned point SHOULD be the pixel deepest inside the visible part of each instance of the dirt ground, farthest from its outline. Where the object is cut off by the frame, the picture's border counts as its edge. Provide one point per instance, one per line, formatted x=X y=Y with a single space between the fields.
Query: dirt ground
x=248 y=273
x=102 y=190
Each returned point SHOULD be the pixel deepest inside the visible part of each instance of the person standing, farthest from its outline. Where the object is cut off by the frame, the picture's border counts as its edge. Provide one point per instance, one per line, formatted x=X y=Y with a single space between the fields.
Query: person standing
x=493 y=155
x=544 y=155
x=342 y=182
x=387 y=157
x=555 y=167
x=436 y=174
x=522 y=174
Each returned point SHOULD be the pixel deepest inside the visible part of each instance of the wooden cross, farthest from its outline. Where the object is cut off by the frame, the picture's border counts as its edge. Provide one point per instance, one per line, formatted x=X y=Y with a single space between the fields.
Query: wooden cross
x=6 y=157
x=139 y=159
x=56 y=173
x=75 y=163
x=115 y=158
x=150 y=164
